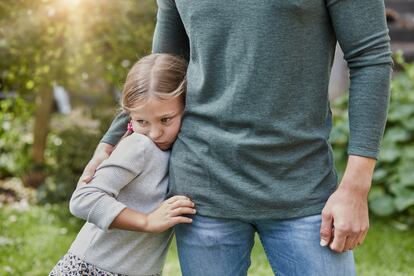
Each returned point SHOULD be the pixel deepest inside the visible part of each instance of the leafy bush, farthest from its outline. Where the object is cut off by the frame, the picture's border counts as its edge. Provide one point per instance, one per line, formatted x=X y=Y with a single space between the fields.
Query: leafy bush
x=68 y=153
x=15 y=136
x=393 y=182
x=68 y=149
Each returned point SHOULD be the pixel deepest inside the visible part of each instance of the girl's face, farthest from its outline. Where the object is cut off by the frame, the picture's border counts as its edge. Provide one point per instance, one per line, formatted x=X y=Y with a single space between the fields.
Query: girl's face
x=160 y=120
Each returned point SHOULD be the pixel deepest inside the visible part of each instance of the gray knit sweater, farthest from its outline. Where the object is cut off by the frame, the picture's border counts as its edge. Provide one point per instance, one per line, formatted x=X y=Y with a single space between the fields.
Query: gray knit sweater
x=134 y=176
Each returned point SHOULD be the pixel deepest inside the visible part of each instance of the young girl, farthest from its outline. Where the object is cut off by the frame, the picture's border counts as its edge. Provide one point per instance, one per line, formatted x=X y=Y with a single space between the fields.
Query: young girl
x=128 y=228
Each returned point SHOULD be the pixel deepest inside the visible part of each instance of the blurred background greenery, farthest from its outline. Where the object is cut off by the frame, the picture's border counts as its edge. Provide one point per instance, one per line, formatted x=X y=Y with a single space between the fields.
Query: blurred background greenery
x=87 y=47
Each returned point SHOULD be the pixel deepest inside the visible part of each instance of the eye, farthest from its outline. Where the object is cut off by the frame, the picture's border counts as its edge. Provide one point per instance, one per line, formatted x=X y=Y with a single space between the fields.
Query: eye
x=166 y=120
x=142 y=123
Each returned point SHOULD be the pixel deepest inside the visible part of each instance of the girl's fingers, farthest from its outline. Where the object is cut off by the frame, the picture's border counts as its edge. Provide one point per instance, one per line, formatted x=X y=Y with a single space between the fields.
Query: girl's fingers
x=175 y=198
x=182 y=203
x=177 y=220
x=183 y=211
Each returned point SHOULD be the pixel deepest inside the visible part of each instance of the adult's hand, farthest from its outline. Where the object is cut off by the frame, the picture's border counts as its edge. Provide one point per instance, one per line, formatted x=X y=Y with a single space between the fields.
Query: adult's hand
x=102 y=152
x=345 y=220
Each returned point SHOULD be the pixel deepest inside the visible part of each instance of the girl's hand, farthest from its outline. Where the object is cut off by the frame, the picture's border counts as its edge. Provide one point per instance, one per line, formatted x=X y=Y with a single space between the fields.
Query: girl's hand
x=170 y=213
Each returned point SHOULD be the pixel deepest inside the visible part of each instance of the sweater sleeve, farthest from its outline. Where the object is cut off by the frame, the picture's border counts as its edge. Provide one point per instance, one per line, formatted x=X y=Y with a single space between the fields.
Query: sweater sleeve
x=116 y=130
x=96 y=202
x=362 y=33
x=170 y=35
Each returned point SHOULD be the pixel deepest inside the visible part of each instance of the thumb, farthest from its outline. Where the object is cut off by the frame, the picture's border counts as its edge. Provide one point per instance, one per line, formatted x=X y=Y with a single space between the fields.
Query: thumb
x=86 y=178
x=89 y=171
x=326 y=229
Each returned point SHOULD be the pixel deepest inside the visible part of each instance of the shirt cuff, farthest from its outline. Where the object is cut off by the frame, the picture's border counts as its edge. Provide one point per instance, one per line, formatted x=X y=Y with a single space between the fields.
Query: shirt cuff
x=104 y=212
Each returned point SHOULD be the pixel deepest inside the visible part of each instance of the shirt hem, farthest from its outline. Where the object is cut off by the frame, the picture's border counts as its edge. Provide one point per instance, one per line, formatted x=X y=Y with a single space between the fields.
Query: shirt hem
x=287 y=213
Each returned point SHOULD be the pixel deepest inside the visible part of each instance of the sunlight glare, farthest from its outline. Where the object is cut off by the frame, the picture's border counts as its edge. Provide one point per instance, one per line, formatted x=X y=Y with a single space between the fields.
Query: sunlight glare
x=71 y=4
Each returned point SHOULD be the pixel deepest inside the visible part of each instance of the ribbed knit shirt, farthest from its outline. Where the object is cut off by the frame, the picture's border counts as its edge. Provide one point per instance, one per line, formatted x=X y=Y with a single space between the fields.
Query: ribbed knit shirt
x=254 y=142
x=134 y=176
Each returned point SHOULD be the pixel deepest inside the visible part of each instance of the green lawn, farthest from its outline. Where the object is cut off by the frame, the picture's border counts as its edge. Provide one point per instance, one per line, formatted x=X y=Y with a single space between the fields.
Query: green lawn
x=32 y=240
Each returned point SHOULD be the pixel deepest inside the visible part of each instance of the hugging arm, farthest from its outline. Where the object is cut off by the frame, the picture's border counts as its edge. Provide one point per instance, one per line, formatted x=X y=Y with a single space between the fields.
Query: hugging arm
x=362 y=33
x=106 y=145
x=97 y=203
x=169 y=37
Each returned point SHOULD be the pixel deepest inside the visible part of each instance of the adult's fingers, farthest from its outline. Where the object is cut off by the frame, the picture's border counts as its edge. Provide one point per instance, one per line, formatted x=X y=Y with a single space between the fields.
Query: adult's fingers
x=351 y=242
x=89 y=170
x=361 y=237
x=338 y=242
x=326 y=229
x=356 y=238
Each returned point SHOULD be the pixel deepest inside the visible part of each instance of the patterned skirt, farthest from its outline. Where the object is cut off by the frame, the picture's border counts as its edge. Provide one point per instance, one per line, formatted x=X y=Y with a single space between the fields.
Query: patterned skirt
x=72 y=265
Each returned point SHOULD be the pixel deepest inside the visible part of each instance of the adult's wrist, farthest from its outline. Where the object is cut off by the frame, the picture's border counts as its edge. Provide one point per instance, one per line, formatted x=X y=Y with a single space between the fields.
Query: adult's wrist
x=104 y=148
x=355 y=187
x=358 y=174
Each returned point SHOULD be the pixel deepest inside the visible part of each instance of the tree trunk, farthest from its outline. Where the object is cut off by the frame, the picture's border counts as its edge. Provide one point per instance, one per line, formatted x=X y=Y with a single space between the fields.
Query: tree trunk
x=44 y=104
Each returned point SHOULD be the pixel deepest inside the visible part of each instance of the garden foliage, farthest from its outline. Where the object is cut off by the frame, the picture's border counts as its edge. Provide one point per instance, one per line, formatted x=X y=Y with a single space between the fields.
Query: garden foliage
x=15 y=136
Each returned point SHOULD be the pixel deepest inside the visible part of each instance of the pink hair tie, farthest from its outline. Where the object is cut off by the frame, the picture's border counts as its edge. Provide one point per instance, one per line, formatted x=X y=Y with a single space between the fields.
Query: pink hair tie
x=130 y=127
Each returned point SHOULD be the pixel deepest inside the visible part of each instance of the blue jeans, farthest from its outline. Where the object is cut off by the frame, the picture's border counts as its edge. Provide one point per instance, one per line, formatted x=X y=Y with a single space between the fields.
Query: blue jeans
x=213 y=246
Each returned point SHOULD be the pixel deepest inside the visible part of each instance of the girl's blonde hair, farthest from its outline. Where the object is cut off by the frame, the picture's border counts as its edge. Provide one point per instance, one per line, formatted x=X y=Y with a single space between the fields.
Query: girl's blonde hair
x=162 y=76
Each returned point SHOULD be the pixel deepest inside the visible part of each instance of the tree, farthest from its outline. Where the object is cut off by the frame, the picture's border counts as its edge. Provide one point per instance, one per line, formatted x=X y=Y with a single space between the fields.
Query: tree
x=72 y=43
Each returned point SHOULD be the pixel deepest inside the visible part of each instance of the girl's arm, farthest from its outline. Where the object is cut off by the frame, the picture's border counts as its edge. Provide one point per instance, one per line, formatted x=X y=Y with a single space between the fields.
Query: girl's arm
x=96 y=202
x=168 y=214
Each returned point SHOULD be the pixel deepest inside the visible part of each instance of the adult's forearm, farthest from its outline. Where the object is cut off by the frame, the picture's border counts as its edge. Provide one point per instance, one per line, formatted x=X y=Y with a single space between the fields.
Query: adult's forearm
x=361 y=30
x=170 y=35
x=104 y=147
x=116 y=130
x=368 y=105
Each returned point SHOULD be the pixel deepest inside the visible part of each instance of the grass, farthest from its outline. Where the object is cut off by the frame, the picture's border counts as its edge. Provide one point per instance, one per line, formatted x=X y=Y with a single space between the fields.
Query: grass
x=32 y=239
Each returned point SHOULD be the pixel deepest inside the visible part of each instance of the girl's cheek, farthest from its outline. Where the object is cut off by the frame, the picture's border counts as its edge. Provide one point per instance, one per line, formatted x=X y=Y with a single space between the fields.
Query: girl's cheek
x=137 y=128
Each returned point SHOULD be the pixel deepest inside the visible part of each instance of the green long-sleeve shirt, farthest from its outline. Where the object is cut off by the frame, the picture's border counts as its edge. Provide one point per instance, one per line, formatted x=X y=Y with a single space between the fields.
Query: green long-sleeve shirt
x=254 y=140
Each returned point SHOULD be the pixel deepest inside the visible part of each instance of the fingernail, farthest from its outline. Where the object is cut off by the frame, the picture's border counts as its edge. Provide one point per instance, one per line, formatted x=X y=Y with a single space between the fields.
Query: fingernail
x=323 y=243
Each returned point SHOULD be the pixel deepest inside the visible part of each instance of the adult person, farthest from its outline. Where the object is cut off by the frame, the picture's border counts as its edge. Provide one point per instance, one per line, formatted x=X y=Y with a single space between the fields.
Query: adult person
x=253 y=151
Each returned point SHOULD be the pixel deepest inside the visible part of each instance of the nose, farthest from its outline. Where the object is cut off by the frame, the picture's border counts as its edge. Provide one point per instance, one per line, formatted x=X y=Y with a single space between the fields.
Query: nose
x=155 y=133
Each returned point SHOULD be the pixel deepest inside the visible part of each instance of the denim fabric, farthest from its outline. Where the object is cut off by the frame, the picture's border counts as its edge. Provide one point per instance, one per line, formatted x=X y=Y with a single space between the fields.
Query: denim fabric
x=212 y=246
